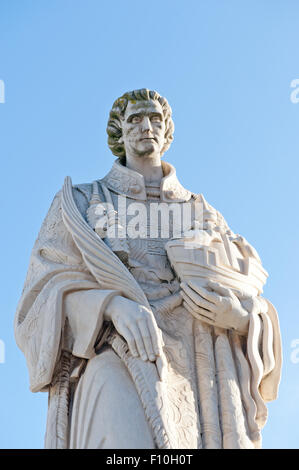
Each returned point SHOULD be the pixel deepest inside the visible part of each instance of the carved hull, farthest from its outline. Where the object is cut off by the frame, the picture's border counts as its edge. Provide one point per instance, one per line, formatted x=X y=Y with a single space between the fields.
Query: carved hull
x=221 y=261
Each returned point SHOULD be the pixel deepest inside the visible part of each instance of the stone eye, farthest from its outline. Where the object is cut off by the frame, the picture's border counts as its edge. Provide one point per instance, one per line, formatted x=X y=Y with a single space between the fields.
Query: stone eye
x=135 y=119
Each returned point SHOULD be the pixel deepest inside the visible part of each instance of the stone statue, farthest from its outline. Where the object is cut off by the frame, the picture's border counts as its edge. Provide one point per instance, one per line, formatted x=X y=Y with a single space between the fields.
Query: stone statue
x=141 y=314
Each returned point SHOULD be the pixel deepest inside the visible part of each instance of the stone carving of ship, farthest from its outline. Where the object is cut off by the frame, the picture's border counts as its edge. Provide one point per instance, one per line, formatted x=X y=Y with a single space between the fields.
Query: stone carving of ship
x=210 y=252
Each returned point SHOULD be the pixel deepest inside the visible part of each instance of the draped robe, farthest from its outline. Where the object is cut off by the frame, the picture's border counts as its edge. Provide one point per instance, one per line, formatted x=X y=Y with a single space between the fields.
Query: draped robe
x=217 y=381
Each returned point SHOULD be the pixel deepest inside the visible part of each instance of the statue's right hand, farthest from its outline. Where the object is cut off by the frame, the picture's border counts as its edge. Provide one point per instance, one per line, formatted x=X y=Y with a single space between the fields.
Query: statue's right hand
x=138 y=327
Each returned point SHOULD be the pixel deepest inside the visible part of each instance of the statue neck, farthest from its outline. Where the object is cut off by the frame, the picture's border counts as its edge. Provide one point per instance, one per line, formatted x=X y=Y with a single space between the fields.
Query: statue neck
x=150 y=167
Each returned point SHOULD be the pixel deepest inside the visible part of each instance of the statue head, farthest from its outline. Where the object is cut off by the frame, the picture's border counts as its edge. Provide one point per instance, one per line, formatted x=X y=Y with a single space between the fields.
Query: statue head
x=127 y=112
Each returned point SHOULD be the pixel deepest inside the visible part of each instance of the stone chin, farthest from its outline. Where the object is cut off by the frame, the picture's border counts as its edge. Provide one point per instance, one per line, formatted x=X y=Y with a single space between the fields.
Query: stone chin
x=147 y=148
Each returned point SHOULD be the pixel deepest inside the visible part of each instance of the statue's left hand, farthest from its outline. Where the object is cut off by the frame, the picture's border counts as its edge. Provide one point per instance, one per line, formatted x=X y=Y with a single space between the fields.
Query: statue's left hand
x=218 y=305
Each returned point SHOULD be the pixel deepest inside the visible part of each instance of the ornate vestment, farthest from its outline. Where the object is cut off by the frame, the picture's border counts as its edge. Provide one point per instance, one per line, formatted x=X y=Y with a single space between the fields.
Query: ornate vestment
x=217 y=381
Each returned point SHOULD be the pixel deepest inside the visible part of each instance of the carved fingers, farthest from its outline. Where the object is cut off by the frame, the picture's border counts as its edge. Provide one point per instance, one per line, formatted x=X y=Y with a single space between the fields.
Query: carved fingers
x=147 y=336
x=197 y=304
x=214 y=304
x=138 y=327
x=139 y=341
x=153 y=342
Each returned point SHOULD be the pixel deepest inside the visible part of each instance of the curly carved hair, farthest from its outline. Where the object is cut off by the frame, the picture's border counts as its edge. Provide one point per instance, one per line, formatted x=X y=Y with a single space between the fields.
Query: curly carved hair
x=114 y=127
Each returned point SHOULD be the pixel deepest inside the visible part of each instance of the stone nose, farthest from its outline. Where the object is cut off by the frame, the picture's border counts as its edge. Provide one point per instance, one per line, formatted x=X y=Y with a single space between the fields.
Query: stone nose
x=146 y=124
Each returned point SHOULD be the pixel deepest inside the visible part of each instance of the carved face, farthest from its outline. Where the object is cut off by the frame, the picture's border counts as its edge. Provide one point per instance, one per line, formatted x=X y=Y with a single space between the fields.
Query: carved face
x=143 y=128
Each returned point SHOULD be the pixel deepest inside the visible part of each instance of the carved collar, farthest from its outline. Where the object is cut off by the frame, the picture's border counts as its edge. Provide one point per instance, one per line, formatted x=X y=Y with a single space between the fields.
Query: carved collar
x=130 y=183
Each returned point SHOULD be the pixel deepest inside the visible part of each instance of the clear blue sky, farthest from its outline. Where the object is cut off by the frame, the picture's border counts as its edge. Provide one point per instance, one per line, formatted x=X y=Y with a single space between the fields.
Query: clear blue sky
x=226 y=69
